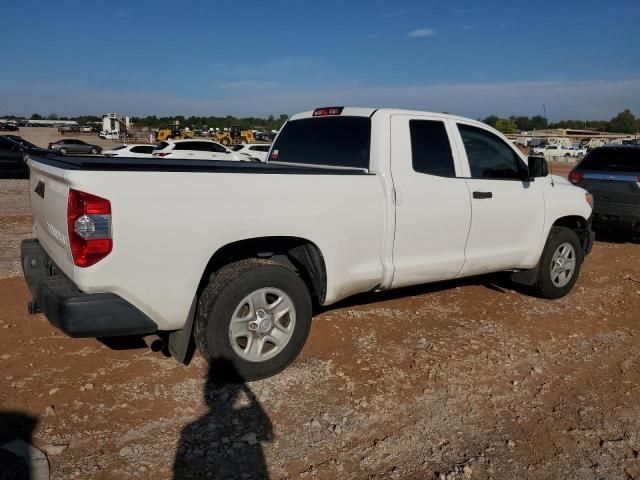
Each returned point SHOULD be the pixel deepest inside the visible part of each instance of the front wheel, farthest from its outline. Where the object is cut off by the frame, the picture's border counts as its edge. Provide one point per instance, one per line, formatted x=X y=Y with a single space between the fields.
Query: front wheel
x=63 y=151
x=560 y=264
x=255 y=314
x=94 y=151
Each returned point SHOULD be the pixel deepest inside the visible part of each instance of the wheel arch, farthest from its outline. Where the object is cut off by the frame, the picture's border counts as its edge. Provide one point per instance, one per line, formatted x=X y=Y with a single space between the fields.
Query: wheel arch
x=299 y=254
x=582 y=228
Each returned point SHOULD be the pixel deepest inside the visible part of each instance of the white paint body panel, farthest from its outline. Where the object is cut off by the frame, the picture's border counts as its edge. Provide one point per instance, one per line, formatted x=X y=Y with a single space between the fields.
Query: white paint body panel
x=167 y=225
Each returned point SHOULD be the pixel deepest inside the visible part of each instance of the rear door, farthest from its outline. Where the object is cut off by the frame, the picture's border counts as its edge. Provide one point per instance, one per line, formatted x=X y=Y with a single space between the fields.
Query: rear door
x=219 y=152
x=433 y=212
x=507 y=212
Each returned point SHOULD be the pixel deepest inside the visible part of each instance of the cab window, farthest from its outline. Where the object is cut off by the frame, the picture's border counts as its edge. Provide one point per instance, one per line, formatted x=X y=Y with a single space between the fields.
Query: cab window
x=489 y=156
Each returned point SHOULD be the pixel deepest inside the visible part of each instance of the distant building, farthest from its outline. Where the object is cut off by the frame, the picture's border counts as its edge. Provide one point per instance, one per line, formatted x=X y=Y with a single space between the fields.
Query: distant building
x=51 y=123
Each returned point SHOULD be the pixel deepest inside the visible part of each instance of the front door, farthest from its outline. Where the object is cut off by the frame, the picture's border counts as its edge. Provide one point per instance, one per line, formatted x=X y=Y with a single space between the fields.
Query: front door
x=507 y=211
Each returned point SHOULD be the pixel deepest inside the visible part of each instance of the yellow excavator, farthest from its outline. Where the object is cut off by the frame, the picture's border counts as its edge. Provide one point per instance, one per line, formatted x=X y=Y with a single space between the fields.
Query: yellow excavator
x=234 y=136
x=172 y=131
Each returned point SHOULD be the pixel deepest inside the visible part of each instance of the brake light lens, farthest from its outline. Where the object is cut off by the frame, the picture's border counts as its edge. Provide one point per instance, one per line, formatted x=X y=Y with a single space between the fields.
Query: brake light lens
x=89 y=228
x=575 y=177
x=162 y=154
x=327 y=111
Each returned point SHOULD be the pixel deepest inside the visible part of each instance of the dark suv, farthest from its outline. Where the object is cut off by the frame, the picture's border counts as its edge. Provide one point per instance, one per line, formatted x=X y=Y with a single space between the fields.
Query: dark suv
x=12 y=152
x=612 y=175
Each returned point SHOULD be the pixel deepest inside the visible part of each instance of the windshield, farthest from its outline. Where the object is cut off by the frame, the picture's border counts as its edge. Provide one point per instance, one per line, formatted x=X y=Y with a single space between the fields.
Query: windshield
x=612 y=159
x=333 y=141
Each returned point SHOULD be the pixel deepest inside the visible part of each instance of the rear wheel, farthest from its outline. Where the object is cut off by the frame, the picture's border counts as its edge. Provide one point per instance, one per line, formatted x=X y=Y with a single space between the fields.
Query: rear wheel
x=560 y=264
x=255 y=314
x=94 y=151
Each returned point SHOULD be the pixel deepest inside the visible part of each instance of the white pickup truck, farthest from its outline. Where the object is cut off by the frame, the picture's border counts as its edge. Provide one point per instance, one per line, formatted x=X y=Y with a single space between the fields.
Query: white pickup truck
x=553 y=152
x=233 y=257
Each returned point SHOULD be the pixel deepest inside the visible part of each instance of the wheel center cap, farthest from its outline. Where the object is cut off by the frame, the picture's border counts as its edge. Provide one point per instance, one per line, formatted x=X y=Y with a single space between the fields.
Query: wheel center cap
x=561 y=262
x=264 y=321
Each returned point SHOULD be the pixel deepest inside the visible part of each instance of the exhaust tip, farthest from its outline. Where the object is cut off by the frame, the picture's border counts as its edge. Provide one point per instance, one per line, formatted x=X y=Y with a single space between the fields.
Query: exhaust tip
x=154 y=342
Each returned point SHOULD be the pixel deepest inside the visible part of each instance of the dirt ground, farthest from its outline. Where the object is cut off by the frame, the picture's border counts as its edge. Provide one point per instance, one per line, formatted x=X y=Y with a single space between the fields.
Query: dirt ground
x=42 y=136
x=464 y=379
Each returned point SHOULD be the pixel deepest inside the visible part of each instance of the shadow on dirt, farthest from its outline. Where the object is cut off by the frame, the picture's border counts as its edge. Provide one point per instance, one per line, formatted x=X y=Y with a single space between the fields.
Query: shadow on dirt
x=226 y=441
x=14 y=426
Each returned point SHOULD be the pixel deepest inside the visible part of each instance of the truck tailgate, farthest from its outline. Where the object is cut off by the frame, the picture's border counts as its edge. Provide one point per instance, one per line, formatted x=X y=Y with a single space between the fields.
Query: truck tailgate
x=49 y=192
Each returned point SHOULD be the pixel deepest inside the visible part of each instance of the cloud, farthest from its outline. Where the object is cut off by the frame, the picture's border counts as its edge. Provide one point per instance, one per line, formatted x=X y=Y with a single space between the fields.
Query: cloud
x=563 y=99
x=421 y=33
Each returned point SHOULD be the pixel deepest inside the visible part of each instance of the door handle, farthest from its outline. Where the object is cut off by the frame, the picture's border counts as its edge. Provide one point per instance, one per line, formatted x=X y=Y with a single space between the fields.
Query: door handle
x=482 y=195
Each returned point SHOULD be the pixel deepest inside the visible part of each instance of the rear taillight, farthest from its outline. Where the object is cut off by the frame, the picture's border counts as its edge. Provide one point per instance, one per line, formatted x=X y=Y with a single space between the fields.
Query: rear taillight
x=50 y=146
x=162 y=154
x=89 y=227
x=575 y=177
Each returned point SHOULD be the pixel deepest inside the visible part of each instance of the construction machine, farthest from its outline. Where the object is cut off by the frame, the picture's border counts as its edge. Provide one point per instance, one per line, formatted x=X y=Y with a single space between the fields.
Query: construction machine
x=172 y=131
x=234 y=136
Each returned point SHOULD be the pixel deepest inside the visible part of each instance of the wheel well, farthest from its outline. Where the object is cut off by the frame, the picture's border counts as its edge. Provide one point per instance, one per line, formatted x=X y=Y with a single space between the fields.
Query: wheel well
x=579 y=225
x=298 y=254
x=574 y=222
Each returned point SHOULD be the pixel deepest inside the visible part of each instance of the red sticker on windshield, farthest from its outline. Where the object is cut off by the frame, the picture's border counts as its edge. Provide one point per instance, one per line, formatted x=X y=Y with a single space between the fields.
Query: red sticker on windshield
x=274 y=155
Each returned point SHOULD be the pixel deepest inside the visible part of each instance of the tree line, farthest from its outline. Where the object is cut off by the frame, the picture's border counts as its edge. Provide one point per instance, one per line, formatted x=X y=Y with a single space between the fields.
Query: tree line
x=623 y=122
x=194 y=122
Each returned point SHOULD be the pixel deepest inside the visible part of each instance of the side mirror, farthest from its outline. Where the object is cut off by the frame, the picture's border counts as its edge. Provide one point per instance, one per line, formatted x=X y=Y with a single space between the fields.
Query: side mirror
x=538 y=167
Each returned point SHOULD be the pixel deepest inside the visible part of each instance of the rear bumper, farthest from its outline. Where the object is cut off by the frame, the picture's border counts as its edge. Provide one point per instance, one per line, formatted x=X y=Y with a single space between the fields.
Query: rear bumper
x=76 y=313
x=616 y=215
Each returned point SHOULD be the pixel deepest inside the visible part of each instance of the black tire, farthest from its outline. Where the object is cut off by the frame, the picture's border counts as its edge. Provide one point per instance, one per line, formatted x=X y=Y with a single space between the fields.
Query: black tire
x=63 y=151
x=223 y=295
x=545 y=286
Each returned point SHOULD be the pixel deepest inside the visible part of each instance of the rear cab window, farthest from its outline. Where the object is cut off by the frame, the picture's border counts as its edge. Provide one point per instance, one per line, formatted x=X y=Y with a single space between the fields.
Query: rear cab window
x=612 y=159
x=430 y=148
x=340 y=141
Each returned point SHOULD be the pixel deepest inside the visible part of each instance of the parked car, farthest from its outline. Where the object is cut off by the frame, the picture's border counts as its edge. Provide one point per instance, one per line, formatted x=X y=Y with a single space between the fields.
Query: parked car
x=86 y=129
x=550 y=152
x=257 y=151
x=195 y=150
x=12 y=152
x=134 y=150
x=9 y=127
x=234 y=254
x=265 y=136
x=71 y=145
x=612 y=175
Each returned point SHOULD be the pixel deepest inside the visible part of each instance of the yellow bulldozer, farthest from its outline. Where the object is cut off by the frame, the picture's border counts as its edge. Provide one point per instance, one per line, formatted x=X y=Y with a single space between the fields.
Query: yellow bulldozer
x=234 y=136
x=172 y=131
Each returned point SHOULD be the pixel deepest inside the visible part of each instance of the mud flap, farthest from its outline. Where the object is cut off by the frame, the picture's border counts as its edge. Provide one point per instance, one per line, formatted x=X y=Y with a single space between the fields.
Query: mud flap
x=526 y=277
x=181 y=343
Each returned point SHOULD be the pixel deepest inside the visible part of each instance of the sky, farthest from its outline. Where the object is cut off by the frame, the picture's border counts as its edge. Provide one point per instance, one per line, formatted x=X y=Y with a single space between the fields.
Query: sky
x=580 y=59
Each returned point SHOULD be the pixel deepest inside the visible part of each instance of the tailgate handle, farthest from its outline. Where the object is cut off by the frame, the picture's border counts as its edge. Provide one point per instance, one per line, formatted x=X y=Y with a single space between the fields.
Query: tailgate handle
x=40 y=189
x=482 y=195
